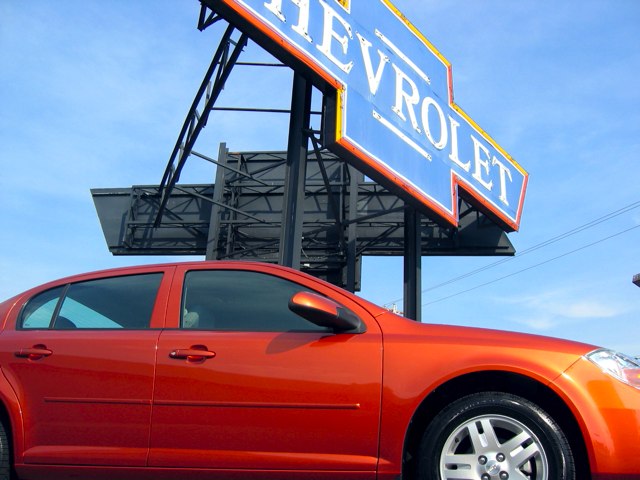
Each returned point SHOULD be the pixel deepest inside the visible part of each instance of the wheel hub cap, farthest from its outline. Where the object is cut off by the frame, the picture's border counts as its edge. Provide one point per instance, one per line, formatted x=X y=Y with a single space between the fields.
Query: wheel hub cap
x=493 y=447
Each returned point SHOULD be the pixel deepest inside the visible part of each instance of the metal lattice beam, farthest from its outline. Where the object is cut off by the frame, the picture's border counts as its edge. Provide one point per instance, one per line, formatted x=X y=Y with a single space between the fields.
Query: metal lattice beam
x=209 y=91
x=239 y=217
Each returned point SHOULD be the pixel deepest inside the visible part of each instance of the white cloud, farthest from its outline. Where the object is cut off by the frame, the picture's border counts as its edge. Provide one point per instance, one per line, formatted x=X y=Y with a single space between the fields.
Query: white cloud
x=550 y=309
x=540 y=323
x=590 y=309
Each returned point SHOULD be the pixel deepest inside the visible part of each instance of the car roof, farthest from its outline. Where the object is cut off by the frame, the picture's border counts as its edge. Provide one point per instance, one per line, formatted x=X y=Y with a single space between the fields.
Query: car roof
x=200 y=264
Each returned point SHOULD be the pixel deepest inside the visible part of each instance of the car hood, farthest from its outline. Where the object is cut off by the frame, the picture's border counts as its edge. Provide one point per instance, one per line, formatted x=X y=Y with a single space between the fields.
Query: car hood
x=393 y=324
x=440 y=352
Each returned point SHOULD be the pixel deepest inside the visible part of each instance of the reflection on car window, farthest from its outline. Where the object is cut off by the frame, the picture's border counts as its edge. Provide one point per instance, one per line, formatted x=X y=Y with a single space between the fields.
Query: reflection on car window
x=117 y=302
x=236 y=300
x=38 y=313
x=114 y=303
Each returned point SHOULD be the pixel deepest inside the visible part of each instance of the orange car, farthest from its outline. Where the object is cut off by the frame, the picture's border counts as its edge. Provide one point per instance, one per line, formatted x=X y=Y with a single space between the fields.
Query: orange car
x=248 y=370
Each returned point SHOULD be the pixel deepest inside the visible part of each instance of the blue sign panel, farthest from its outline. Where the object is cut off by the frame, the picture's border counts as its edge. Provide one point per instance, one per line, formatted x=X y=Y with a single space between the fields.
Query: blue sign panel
x=394 y=108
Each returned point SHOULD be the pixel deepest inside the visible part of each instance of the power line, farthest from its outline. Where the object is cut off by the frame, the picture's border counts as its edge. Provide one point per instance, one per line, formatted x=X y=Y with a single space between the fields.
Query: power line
x=532 y=266
x=546 y=243
x=551 y=241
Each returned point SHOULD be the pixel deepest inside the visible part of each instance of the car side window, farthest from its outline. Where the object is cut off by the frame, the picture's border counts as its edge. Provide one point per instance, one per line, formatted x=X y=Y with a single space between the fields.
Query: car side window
x=109 y=303
x=38 y=312
x=237 y=300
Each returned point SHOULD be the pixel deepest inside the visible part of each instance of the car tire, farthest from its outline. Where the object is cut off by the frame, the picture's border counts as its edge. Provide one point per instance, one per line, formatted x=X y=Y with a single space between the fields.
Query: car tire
x=494 y=436
x=5 y=454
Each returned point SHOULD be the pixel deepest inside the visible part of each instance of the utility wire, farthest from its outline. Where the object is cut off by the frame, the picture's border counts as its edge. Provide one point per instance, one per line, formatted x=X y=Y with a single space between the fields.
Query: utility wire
x=546 y=243
x=551 y=241
x=532 y=266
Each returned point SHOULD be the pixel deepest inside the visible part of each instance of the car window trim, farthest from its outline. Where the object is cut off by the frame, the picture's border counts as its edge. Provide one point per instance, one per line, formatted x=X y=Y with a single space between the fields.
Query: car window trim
x=56 y=311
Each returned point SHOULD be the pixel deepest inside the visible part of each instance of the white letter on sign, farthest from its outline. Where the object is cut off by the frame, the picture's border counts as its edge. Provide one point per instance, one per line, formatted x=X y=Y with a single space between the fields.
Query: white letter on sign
x=275 y=7
x=453 y=156
x=410 y=99
x=504 y=173
x=303 y=20
x=444 y=134
x=302 y=28
x=373 y=79
x=330 y=34
x=481 y=163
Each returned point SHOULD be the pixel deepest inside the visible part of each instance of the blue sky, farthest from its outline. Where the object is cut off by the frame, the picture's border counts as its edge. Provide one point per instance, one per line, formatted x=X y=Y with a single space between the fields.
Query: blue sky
x=93 y=94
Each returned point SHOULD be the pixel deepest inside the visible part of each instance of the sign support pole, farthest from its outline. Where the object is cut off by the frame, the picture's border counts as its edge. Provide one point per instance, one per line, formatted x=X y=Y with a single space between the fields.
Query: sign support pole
x=352 y=230
x=296 y=169
x=215 y=222
x=412 y=264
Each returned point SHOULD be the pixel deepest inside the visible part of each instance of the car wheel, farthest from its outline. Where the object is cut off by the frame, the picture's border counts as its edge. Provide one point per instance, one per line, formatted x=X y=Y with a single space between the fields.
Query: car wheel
x=494 y=436
x=5 y=457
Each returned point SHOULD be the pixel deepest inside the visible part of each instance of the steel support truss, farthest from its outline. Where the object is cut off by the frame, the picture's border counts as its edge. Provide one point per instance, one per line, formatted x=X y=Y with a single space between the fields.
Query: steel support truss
x=239 y=217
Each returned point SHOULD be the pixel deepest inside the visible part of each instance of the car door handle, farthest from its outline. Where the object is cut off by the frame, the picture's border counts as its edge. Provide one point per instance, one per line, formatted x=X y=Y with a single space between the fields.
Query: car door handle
x=34 y=353
x=192 y=354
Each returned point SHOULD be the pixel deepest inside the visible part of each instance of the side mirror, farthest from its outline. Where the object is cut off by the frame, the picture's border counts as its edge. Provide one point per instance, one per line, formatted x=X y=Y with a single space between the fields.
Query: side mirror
x=324 y=312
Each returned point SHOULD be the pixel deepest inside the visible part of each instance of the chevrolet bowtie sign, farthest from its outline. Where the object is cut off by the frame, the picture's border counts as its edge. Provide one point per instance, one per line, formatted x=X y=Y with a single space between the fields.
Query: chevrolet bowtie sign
x=391 y=107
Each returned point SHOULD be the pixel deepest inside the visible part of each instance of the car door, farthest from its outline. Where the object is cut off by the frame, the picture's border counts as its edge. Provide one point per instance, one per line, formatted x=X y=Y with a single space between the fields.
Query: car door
x=243 y=383
x=81 y=358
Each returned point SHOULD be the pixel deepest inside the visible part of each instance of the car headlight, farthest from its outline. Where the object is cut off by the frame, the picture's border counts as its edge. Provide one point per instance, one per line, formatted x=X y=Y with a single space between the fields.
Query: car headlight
x=623 y=367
